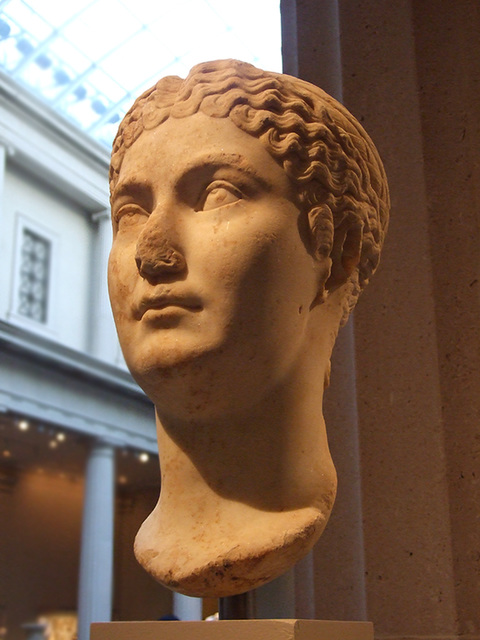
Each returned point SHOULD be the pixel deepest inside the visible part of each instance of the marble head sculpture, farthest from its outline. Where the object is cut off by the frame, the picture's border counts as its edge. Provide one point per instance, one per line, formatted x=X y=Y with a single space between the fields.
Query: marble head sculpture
x=249 y=209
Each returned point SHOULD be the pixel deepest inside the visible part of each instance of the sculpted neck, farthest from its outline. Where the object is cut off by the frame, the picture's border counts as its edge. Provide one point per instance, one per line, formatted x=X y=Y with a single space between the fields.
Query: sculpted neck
x=261 y=456
x=245 y=495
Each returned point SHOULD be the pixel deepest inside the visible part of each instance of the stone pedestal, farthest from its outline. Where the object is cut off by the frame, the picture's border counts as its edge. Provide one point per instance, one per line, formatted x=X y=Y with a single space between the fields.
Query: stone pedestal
x=234 y=630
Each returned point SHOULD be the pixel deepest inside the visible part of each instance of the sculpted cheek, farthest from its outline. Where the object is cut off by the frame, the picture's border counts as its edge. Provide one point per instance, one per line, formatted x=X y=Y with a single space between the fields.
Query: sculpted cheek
x=118 y=286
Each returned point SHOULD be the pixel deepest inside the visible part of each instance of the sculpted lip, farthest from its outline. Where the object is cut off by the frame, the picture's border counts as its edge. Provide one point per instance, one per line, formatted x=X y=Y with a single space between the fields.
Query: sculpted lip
x=164 y=301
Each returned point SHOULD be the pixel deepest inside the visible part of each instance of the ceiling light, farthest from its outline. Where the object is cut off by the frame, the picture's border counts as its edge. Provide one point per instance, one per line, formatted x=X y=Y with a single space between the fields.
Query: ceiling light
x=24 y=425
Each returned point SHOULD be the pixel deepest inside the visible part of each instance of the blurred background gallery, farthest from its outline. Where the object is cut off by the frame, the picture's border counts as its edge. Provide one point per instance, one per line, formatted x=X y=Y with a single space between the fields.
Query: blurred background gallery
x=71 y=417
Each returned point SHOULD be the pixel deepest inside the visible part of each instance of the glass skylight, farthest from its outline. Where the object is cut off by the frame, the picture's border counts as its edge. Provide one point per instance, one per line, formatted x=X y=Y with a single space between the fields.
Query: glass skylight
x=89 y=59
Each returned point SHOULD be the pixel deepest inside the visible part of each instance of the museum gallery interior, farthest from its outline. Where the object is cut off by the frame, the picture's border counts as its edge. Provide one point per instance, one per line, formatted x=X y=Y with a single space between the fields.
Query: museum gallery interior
x=78 y=449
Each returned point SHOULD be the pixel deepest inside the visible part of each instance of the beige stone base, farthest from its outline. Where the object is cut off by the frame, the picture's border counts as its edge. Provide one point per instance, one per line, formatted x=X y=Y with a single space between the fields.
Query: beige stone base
x=234 y=630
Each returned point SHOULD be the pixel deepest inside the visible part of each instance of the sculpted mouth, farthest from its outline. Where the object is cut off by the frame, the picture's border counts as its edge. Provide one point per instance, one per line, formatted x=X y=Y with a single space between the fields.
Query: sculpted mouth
x=164 y=302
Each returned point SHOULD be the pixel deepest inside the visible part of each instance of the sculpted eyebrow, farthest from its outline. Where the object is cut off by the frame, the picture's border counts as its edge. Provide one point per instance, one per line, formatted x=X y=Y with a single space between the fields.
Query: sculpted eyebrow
x=237 y=162
x=134 y=189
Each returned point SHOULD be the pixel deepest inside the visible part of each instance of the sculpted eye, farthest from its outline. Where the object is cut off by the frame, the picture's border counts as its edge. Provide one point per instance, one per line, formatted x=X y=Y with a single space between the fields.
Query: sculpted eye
x=219 y=194
x=129 y=215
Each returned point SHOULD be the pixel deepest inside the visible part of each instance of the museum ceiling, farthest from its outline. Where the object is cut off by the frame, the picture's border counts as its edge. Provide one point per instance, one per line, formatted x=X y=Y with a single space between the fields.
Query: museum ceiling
x=31 y=446
x=89 y=59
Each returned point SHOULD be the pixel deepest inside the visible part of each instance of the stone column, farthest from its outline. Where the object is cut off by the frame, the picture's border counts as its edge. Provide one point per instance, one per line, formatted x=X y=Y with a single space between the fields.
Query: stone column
x=3 y=160
x=339 y=557
x=103 y=342
x=311 y=43
x=312 y=51
x=96 y=558
x=5 y=238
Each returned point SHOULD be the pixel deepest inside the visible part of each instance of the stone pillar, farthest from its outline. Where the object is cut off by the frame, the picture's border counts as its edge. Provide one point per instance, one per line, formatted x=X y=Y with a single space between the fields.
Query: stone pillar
x=312 y=51
x=3 y=160
x=96 y=558
x=103 y=342
x=186 y=608
x=408 y=535
x=410 y=73
x=339 y=566
x=448 y=71
x=311 y=43
x=5 y=238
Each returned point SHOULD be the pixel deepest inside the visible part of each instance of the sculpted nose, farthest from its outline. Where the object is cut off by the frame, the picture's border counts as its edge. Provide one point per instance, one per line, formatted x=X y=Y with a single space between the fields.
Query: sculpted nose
x=155 y=255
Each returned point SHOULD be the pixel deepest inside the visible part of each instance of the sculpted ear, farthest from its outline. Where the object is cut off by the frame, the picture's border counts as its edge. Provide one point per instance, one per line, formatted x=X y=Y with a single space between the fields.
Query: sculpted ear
x=345 y=254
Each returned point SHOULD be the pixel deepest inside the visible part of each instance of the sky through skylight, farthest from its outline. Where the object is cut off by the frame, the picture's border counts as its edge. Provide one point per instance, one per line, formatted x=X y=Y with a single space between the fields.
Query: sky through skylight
x=89 y=59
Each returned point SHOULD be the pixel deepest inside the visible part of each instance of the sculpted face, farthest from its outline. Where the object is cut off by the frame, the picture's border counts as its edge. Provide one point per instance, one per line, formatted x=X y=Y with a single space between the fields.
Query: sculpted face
x=227 y=299
x=210 y=276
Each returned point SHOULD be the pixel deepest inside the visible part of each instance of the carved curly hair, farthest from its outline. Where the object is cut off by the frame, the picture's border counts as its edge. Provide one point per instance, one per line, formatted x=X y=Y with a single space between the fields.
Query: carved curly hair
x=320 y=145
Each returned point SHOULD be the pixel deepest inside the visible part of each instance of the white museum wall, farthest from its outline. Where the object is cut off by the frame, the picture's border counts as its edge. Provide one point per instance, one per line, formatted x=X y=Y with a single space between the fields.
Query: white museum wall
x=70 y=231
x=64 y=376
